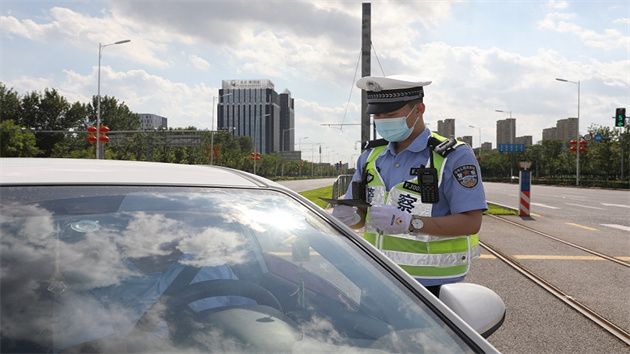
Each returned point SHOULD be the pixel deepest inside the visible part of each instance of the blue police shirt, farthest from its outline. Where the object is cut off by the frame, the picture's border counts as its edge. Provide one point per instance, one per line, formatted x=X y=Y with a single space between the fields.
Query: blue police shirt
x=458 y=192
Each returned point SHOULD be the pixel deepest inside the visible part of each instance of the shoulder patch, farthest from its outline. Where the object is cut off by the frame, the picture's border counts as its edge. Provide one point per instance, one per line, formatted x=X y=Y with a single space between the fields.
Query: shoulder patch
x=466 y=176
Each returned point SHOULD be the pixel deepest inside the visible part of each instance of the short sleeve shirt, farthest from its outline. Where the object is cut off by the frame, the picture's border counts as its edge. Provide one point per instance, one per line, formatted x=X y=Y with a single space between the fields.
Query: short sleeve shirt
x=461 y=187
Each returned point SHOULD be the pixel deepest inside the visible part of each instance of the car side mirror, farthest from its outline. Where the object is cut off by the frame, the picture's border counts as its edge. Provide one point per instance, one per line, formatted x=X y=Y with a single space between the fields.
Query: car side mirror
x=477 y=305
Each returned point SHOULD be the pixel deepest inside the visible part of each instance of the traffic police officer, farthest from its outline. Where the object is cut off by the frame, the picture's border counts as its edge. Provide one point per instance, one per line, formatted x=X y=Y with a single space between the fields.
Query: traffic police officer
x=425 y=222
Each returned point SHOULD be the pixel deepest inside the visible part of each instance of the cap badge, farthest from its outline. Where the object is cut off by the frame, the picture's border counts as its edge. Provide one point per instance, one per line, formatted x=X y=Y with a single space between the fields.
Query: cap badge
x=373 y=86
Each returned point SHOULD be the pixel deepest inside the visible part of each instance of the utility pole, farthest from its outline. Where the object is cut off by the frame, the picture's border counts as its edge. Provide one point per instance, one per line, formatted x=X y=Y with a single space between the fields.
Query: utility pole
x=366 y=49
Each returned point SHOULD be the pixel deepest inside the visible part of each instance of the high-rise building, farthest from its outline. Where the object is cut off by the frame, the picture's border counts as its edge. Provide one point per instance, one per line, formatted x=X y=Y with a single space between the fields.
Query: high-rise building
x=253 y=108
x=506 y=131
x=566 y=129
x=467 y=139
x=287 y=121
x=487 y=146
x=549 y=133
x=525 y=140
x=446 y=128
x=151 y=121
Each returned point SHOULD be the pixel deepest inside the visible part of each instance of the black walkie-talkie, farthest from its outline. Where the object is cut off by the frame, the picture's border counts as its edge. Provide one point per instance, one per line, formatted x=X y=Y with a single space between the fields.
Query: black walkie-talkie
x=428 y=177
x=428 y=182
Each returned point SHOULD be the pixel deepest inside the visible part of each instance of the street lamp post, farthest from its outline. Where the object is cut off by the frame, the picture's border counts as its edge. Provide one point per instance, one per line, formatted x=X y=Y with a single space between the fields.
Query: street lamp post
x=255 y=135
x=313 y=154
x=212 y=127
x=577 y=133
x=472 y=126
x=300 y=141
x=312 y=158
x=99 y=144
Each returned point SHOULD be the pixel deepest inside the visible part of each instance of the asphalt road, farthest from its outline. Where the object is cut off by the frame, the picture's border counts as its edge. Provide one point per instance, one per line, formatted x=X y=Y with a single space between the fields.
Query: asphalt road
x=591 y=207
x=537 y=322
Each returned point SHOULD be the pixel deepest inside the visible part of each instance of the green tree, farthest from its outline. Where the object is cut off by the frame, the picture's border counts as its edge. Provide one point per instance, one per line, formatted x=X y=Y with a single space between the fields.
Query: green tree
x=495 y=164
x=114 y=115
x=117 y=117
x=15 y=142
x=49 y=112
x=550 y=160
x=534 y=155
x=601 y=158
x=9 y=104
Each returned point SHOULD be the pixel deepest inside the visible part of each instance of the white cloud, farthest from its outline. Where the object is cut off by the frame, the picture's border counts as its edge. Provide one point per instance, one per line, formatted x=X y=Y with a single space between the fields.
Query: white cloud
x=558 y=5
x=198 y=62
x=313 y=48
x=610 y=39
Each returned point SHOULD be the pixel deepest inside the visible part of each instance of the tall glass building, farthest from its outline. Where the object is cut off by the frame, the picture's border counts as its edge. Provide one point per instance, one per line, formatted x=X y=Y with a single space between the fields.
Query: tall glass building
x=253 y=108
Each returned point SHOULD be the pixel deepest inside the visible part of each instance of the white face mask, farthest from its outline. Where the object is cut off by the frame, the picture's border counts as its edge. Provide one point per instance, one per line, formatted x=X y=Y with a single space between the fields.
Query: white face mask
x=395 y=129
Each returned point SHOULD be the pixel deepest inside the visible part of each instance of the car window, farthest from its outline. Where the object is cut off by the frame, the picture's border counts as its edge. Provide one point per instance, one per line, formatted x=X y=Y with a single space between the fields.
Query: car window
x=205 y=269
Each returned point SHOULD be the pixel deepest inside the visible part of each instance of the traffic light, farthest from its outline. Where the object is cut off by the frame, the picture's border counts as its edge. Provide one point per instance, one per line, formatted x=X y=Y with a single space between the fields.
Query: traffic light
x=620 y=117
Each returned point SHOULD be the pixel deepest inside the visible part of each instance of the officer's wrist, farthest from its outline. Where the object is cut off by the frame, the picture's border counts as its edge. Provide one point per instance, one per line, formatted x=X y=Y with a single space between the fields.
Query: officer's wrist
x=416 y=224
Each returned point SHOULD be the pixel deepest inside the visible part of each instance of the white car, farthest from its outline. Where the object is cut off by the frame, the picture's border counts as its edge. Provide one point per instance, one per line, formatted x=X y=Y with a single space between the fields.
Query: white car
x=120 y=256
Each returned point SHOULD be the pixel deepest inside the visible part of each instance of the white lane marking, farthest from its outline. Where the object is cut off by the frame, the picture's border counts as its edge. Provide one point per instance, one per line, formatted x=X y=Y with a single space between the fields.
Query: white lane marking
x=573 y=197
x=620 y=227
x=544 y=206
x=585 y=206
x=616 y=205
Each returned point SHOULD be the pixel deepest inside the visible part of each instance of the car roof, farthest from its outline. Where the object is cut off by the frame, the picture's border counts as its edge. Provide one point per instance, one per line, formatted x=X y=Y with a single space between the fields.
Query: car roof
x=52 y=171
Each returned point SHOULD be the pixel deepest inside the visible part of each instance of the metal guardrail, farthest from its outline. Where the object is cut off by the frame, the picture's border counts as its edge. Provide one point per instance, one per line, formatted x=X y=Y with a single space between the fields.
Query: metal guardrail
x=341 y=185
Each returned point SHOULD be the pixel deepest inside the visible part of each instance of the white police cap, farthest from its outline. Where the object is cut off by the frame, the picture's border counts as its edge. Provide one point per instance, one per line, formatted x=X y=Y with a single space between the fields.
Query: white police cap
x=389 y=93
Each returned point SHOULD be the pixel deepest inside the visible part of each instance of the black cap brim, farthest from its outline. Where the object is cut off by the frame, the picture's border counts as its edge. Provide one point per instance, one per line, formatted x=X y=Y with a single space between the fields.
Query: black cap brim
x=381 y=108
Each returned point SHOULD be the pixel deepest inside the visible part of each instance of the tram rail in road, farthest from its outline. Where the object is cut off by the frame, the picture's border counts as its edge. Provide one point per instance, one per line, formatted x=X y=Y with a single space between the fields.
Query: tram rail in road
x=588 y=250
x=593 y=316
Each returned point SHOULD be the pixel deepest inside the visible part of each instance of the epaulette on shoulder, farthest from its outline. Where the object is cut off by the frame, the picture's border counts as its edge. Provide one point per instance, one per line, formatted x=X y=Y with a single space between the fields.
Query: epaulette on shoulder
x=442 y=148
x=374 y=143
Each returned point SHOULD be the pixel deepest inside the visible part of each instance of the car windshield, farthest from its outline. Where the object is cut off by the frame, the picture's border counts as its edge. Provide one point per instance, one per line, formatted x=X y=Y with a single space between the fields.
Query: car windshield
x=116 y=269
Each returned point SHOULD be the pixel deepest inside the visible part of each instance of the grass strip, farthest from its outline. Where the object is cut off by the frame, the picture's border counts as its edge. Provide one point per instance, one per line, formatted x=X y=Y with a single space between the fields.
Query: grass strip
x=314 y=194
x=498 y=210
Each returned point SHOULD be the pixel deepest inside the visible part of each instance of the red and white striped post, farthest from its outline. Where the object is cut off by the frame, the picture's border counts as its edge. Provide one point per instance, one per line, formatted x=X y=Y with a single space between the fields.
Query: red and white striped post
x=525 y=187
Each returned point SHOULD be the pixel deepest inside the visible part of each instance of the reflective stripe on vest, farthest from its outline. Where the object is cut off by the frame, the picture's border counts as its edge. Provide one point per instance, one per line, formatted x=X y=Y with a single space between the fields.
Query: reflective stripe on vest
x=420 y=255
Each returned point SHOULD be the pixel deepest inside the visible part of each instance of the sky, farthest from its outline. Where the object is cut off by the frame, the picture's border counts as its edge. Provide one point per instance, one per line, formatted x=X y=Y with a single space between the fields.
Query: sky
x=481 y=56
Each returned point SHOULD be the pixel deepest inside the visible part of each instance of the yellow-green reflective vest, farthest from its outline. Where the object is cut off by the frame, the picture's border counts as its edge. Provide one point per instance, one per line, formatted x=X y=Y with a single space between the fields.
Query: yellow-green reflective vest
x=420 y=255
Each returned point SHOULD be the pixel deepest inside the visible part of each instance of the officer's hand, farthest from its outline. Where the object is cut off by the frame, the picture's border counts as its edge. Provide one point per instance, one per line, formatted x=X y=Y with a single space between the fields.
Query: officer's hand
x=390 y=219
x=347 y=214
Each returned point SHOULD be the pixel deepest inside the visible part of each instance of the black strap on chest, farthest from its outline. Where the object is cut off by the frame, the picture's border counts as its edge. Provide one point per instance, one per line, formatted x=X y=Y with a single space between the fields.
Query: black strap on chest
x=373 y=143
x=440 y=147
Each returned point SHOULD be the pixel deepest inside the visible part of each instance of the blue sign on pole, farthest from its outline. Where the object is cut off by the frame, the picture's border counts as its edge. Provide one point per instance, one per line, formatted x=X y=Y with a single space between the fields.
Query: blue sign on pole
x=525 y=180
x=598 y=137
x=511 y=147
